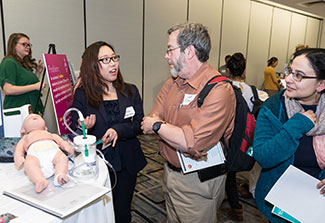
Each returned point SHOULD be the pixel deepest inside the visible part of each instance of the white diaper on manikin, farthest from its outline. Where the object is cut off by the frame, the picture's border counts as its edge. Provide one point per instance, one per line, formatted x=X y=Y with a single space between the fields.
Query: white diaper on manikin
x=45 y=152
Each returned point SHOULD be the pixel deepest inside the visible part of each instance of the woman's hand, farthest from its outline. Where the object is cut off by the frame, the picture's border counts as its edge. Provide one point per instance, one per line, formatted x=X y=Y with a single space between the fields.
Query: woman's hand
x=39 y=68
x=89 y=121
x=38 y=86
x=310 y=114
x=110 y=137
x=321 y=185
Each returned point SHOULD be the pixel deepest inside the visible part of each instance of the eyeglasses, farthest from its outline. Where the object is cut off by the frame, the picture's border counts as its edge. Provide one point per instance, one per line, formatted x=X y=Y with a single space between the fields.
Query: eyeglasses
x=107 y=60
x=296 y=76
x=26 y=45
x=171 y=49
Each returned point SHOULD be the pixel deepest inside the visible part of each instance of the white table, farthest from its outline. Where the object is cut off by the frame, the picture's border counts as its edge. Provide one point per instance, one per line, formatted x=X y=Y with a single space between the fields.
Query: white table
x=100 y=210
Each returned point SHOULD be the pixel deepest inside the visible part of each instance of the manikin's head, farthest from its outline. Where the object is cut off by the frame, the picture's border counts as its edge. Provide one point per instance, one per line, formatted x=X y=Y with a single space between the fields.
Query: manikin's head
x=32 y=122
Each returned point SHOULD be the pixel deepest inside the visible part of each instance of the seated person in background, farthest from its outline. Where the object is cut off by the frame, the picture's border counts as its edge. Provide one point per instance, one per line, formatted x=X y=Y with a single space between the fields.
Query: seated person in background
x=271 y=82
x=17 y=78
x=290 y=127
x=44 y=157
x=236 y=69
x=223 y=69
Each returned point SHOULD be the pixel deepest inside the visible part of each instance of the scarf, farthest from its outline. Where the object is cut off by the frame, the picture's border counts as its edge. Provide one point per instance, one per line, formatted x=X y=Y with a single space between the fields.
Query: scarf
x=318 y=131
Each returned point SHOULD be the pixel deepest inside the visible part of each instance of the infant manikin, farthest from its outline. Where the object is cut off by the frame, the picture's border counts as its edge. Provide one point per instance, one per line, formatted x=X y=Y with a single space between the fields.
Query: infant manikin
x=44 y=156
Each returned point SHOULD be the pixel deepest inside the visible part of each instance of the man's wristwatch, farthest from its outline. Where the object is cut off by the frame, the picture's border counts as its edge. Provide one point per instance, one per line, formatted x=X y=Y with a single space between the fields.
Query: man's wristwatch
x=156 y=126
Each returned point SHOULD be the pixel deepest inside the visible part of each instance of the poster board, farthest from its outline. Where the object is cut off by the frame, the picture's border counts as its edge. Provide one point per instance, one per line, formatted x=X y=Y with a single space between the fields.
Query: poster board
x=57 y=70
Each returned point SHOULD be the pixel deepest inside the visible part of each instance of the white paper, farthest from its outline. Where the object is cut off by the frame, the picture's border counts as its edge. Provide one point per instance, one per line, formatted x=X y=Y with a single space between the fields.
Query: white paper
x=295 y=193
x=215 y=156
x=60 y=202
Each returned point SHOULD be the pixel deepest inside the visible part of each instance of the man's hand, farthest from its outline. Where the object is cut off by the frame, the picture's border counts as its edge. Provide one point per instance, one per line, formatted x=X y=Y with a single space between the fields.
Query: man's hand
x=196 y=154
x=320 y=185
x=147 y=122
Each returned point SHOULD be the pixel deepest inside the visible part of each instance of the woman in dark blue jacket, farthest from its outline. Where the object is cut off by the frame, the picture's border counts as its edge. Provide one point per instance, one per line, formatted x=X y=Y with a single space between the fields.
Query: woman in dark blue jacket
x=113 y=111
x=290 y=127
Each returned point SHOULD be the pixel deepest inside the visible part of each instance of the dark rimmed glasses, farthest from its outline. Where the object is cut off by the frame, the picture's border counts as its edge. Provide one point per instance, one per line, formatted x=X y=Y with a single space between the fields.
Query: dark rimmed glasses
x=26 y=45
x=107 y=60
x=171 y=49
x=296 y=76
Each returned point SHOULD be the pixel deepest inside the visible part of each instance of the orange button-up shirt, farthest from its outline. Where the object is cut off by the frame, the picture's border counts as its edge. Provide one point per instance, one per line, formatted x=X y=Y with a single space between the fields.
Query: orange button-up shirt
x=203 y=127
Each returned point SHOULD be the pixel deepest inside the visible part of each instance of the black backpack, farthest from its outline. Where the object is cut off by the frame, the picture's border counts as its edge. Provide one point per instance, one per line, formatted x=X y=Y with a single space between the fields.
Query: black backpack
x=241 y=140
x=257 y=102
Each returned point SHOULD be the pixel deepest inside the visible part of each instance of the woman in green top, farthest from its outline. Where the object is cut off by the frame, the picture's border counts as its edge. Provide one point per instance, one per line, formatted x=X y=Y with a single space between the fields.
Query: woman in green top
x=17 y=78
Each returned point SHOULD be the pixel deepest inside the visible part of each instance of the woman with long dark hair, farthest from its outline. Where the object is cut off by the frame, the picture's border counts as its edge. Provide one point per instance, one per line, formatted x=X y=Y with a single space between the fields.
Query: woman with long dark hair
x=113 y=111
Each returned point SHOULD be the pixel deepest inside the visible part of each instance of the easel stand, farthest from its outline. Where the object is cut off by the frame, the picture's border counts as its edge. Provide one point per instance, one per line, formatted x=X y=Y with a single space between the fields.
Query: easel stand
x=51 y=49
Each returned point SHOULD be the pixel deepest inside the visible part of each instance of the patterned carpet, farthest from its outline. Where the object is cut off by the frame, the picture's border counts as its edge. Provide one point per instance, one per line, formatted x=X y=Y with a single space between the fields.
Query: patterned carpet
x=148 y=203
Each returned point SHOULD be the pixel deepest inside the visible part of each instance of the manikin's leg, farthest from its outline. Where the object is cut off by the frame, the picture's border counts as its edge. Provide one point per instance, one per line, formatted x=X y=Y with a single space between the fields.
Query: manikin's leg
x=35 y=174
x=60 y=163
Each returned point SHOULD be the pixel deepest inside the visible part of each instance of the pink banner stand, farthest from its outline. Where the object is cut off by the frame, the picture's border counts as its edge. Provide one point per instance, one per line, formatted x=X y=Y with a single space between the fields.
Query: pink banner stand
x=58 y=74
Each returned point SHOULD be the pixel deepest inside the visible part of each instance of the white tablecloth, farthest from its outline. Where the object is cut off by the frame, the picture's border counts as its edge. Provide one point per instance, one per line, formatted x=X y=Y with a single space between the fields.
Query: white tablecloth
x=99 y=211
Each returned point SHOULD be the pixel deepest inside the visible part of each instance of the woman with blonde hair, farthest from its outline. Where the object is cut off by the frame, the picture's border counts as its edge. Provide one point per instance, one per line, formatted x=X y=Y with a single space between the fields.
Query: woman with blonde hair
x=19 y=74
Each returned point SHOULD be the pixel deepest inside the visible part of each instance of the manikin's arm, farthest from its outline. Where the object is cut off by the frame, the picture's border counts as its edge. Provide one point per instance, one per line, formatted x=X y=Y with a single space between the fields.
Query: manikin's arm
x=63 y=144
x=19 y=153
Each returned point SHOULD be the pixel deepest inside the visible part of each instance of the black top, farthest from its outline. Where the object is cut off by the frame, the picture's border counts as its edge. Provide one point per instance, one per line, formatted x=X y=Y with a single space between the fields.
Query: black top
x=305 y=158
x=126 y=126
x=112 y=154
x=112 y=111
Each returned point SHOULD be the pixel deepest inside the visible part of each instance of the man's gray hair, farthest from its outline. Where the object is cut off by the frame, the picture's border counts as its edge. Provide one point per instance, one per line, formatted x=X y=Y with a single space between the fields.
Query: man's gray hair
x=193 y=34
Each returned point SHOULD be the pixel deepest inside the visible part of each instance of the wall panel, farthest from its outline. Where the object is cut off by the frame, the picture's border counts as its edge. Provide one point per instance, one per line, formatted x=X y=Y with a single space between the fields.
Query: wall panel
x=210 y=18
x=120 y=24
x=234 y=27
x=159 y=17
x=312 y=32
x=322 y=39
x=258 y=43
x=280 y=37
x=297 y=32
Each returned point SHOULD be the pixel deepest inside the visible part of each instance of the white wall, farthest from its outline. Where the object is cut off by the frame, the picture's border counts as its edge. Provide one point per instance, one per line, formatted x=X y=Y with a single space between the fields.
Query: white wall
x=120 y=24
x=322 y=42
x=234 y=28
x=312 y=32
x=279 y=37
x=138 y=31
x=159 y=16
x=212 y=19
x=258 y=42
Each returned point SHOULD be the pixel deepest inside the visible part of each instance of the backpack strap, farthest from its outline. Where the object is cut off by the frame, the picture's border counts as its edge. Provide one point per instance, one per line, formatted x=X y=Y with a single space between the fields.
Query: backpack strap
x=208 y=86
x=254 y=93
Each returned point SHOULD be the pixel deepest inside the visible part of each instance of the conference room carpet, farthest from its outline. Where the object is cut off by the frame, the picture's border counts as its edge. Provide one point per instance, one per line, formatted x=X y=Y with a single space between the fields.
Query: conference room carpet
x=148 y=203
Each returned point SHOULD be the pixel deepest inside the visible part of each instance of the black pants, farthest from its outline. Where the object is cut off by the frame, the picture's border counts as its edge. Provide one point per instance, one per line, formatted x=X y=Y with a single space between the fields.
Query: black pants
x=231 y=191
x=123 y=194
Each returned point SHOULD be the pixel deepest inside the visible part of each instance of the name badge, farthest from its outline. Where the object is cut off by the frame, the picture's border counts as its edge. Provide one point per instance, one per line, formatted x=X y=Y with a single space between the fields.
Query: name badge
x=188 y=98
x=129 y=112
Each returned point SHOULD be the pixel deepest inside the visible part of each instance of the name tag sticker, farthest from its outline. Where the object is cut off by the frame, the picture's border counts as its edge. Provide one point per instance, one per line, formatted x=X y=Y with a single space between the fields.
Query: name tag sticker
x=129 y=112
x=188 y=98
